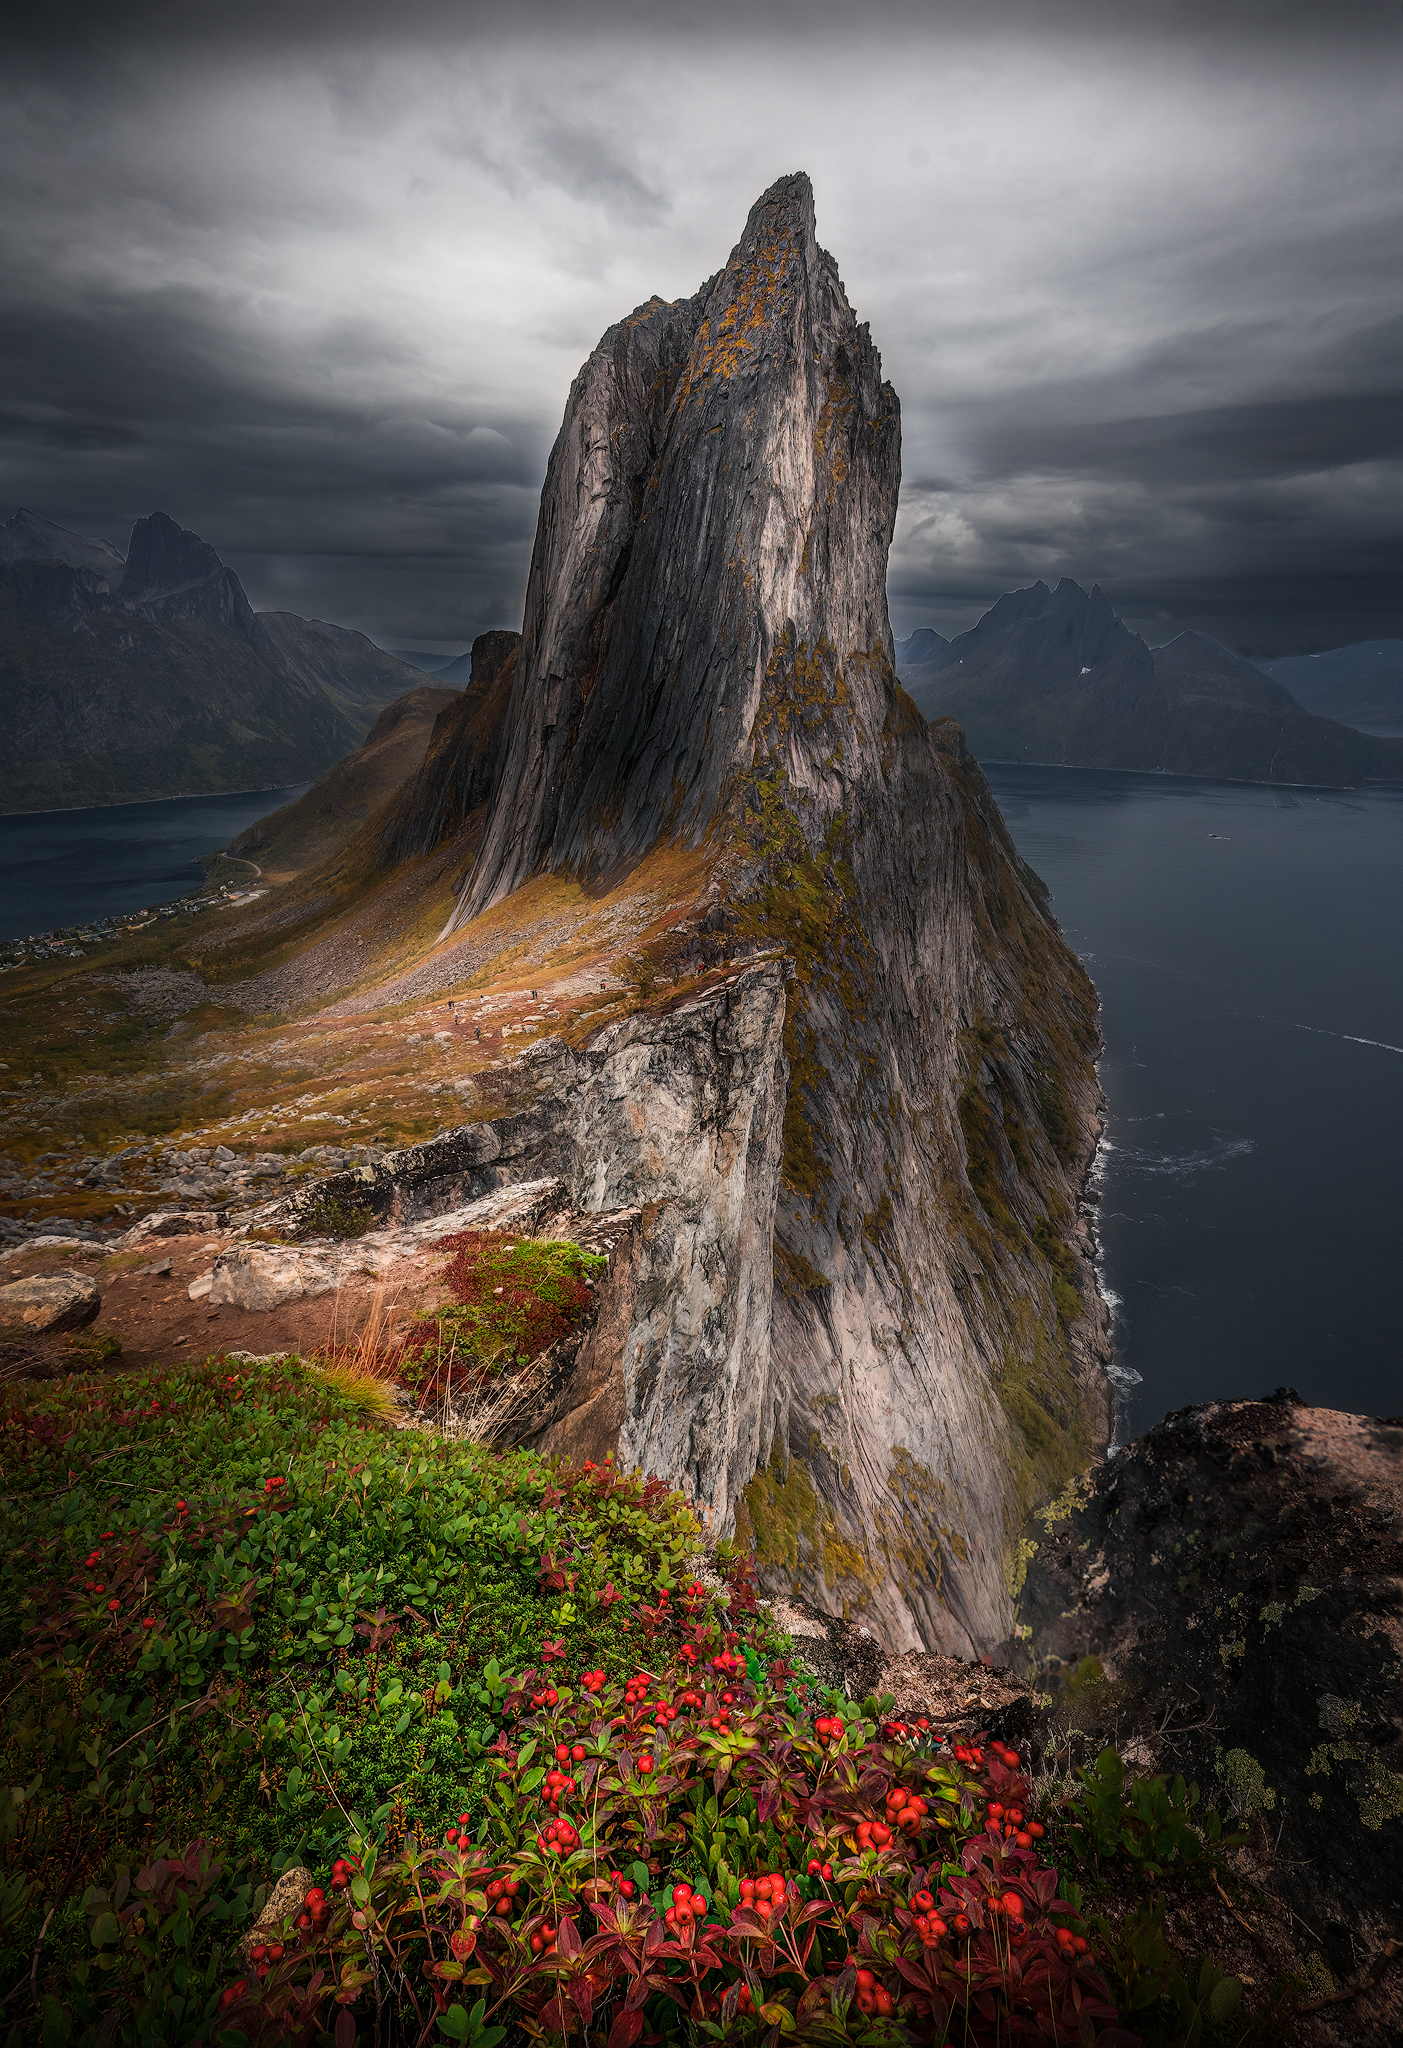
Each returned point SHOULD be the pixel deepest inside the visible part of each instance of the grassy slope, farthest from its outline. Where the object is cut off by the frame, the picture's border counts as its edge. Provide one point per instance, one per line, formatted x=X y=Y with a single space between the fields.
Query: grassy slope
x=318 y=825
x=257 y=1599
x=239 y=1612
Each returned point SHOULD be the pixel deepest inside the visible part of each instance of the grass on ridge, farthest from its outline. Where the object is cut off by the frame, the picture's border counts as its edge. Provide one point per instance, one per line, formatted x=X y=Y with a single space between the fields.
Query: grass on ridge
x=238 y=1608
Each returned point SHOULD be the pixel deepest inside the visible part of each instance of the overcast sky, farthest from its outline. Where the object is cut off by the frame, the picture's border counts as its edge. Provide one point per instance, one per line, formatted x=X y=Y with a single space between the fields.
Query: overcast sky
x=318 y=288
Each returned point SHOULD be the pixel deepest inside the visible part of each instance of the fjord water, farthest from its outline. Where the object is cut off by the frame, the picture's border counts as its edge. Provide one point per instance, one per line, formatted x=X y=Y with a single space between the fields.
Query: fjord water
x=1247 y=944
x=64 y=867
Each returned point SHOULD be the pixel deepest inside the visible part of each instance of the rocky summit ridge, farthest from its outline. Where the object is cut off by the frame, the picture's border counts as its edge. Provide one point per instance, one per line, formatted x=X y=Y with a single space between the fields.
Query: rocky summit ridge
x=706 y=663
x=714 y=528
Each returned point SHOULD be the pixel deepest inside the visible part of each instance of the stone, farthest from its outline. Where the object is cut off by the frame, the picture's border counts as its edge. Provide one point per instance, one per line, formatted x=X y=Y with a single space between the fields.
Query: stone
x=284 y=1902
x=50 y=1301
x=957 y=1694
x=173 y=1223
x=253 y=1276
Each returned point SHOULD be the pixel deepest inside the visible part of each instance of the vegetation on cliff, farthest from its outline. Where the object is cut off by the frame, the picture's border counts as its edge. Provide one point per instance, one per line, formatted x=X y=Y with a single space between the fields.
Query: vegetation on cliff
x=523 y=1773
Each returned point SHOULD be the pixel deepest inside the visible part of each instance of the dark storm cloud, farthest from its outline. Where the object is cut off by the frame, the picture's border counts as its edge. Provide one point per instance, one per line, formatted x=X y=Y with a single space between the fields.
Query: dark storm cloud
x=316 y=281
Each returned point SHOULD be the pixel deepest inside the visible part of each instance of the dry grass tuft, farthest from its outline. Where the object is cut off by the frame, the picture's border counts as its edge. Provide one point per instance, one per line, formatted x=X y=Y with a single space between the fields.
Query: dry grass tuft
x=361 y=1365
x=495 y=1413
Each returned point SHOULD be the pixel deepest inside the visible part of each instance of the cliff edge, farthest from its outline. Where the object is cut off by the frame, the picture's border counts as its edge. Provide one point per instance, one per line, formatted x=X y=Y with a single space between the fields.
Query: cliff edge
x=706 y=663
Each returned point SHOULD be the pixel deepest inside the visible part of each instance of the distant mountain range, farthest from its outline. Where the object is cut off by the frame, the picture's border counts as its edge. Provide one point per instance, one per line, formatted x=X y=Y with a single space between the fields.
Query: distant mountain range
x=1054 y=676
x=1360 y=685
x=152 y=676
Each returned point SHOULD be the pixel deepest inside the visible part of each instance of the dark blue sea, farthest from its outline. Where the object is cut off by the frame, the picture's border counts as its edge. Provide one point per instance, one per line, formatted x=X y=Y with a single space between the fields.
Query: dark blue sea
x=1247 y=944
x=65 y=867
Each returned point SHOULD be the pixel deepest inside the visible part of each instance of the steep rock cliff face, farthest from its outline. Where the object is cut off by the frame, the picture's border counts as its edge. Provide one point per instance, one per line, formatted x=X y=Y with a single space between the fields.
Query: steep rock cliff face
x=938 y=1340
x=676 y=1114
x=706 y=661
x=717 y=511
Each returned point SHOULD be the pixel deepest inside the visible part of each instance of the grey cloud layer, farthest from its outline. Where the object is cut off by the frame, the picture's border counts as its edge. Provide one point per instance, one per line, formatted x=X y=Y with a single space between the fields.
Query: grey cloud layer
x=321 y=295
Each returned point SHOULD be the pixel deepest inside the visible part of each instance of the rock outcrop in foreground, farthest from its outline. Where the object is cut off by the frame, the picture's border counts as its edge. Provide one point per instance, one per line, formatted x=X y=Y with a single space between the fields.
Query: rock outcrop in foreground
x=706 y=666
x=1238 y=1574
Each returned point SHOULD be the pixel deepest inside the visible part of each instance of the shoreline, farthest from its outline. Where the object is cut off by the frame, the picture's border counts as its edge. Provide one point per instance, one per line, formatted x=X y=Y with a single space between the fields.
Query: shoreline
x=129 y=803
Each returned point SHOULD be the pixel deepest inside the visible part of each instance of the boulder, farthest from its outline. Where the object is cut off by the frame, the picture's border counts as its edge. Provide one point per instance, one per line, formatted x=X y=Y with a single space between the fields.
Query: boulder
x=1237 y=1577
x=49 y=1301
x=258 y=1276
x=283 y=1903
x=174 y=1223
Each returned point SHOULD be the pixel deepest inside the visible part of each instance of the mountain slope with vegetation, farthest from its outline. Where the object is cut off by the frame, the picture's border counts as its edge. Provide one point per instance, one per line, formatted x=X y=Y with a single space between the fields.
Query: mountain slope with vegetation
x=1054 y=676
x=344 y=796
x=154 y=677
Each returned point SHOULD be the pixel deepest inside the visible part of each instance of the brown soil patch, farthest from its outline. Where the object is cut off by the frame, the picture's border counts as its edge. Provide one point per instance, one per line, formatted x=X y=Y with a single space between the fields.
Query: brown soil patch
x=151 y=1315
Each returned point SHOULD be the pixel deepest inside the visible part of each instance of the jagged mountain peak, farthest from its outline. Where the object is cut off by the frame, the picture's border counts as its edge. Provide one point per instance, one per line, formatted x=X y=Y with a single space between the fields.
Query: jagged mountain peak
x=163 y=556
x=706 y=666
x=723 y=485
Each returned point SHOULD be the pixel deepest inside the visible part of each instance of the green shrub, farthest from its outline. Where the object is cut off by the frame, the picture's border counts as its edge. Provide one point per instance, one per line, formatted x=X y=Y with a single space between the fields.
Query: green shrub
x=698 y=1854
x=244 y=1619
x=511 y=1302
x=329 y=1217
x=305 y=1606
x=1149 y=1823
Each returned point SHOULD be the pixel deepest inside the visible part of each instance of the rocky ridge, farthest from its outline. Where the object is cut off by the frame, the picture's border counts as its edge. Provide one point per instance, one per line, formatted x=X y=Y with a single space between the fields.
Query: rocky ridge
x=706 y=662
x=1237 y=1577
